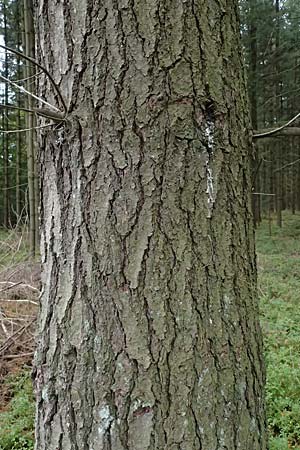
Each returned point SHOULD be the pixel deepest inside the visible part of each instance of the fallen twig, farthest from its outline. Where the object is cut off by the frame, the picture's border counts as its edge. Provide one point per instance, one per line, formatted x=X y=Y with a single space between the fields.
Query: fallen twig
x=19 y=283
x=11 y=340
x=20 y=355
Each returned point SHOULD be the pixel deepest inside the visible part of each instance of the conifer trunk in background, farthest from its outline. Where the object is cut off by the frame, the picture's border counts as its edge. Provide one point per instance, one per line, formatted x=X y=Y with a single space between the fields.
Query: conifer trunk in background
x=148 y=330
x=18 y=22
x=5 y=191
x=278 y=109
x=30 y=144
x=18 y=163
x=252 y=77
x=297 y=175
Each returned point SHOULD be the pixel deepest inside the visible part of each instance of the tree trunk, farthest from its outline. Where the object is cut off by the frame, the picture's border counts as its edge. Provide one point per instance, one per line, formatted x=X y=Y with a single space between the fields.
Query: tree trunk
x=256 y=199
x=149 y=334
x=31 y=157
x=279 y=160
x=18 y=21
x=5 y=192
x=297 y=177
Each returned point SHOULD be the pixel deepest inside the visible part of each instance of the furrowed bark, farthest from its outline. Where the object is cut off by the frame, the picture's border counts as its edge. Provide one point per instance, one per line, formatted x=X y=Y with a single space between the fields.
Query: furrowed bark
x=149 y=334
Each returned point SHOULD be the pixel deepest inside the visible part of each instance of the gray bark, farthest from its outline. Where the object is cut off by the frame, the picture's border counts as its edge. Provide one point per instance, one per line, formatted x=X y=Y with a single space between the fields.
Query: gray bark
x=149 y=335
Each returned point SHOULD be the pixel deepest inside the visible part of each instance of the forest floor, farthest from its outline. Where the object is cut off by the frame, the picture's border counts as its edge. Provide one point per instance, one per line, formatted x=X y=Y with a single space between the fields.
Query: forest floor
x=19 y=293
x=278 y=261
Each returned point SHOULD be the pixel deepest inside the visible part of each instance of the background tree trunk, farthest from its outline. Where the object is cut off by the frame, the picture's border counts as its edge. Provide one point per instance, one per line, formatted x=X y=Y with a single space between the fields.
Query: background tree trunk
x=19 y=23
x=278 y=114
x=252 y=86
x=30 y=136
x=5 y=192
x=149 y=334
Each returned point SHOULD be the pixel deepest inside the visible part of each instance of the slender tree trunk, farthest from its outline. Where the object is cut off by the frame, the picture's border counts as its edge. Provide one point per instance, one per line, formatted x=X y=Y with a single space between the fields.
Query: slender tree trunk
x=271 y=166
x=30 y=136
x=296 y=184
x=18 y=166
x=18 y=21
x=278 y=109
x=149 y=334
x=297 y=177
x=256 y=199
x=5 y=127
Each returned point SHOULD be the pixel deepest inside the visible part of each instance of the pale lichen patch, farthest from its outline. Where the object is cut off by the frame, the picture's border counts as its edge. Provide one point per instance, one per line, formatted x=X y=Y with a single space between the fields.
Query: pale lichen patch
x=209 y=134
x=105 y=419
x=210 y=191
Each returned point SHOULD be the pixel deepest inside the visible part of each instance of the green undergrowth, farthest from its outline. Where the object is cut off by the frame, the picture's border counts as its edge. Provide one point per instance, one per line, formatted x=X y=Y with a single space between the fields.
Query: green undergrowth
x=17 y=422
x=279 y=289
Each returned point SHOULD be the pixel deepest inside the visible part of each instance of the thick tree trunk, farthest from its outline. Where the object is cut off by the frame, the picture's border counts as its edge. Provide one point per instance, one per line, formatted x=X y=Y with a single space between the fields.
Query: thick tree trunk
x=149 y=334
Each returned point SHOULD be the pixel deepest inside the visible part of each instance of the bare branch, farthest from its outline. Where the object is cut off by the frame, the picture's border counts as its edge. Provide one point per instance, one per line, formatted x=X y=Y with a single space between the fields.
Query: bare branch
x=287 y=165
x=263 y=193
x=33 y=61
x=17 y=108
x=9 y=300
x=56 y=116
x=21 y=80
x=22 y=89
x=276 y=130
x=12 y=285
x=9 y=341
x=26 y=129
x=13 y=187
x=2 y=319
x=19 y=355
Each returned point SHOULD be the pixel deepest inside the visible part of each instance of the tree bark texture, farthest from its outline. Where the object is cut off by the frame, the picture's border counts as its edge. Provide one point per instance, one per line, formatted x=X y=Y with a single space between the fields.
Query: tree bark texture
x=149 y=335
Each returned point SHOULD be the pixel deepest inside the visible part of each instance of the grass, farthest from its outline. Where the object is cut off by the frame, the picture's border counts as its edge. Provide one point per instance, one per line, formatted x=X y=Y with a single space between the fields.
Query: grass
x=279 y=288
